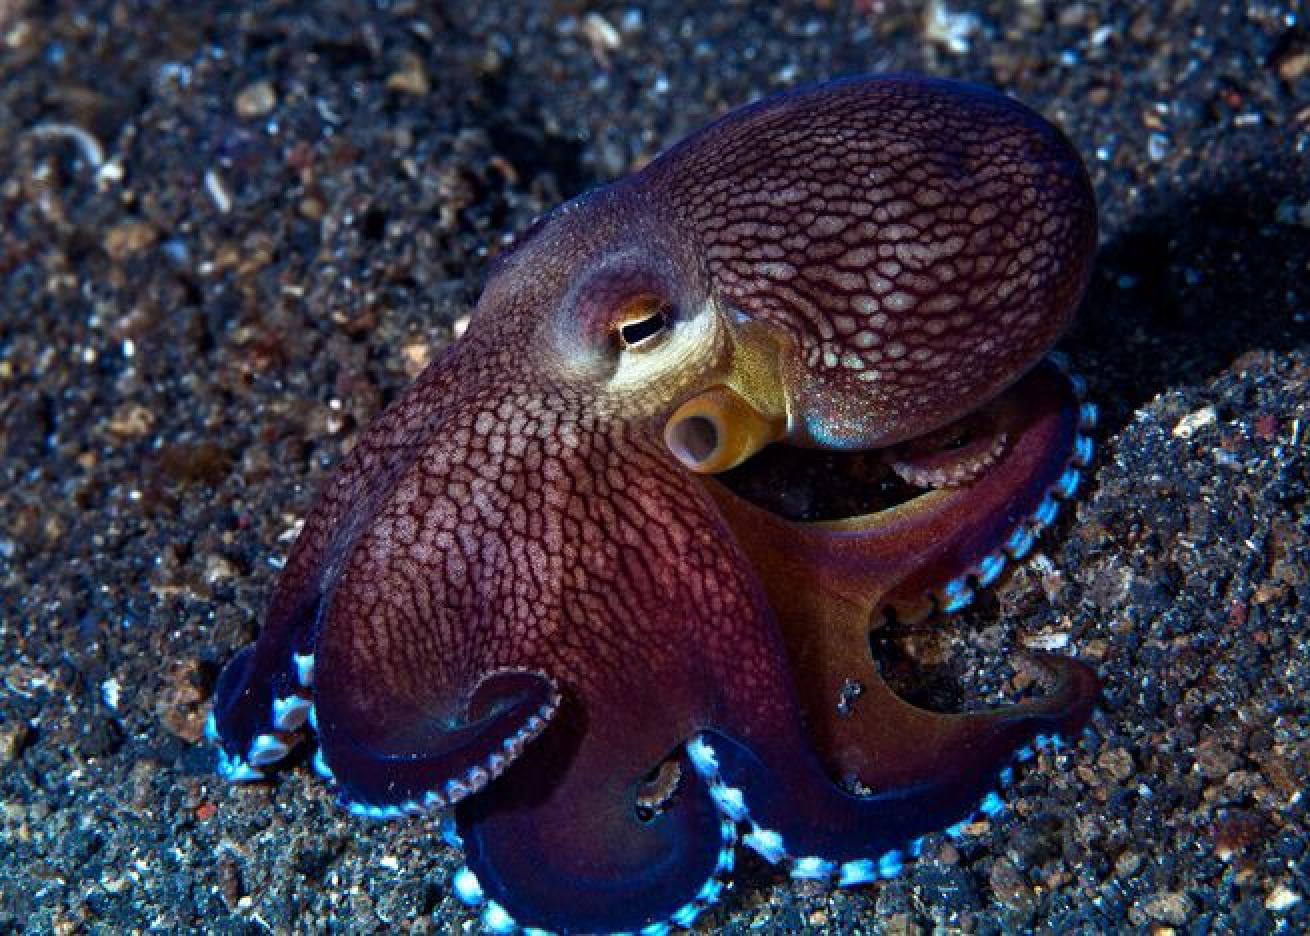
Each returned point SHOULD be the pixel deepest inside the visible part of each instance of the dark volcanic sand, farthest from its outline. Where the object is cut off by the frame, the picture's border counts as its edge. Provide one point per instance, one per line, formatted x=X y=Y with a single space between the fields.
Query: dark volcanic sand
x=279 y=214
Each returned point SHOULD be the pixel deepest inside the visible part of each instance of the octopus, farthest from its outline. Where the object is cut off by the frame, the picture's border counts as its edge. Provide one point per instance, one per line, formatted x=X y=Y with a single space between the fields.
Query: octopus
x=527 y=600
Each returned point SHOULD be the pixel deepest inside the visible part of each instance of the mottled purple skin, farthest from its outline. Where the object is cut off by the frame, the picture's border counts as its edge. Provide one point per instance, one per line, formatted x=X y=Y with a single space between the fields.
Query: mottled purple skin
x=934 y=235
x=512 y=537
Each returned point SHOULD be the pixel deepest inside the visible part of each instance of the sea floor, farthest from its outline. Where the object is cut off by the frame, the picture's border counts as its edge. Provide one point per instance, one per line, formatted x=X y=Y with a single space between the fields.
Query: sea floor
x=230 y=234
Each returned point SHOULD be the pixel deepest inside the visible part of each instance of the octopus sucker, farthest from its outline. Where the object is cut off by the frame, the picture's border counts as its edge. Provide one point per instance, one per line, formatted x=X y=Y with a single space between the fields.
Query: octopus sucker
x=527 y=602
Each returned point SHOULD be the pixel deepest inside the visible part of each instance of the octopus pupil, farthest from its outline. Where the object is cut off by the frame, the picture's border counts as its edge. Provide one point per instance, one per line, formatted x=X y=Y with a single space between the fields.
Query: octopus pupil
x=633 y=333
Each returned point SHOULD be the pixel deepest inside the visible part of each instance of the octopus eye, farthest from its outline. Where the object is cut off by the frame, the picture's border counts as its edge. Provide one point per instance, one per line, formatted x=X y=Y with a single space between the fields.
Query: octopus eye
x=644 y=321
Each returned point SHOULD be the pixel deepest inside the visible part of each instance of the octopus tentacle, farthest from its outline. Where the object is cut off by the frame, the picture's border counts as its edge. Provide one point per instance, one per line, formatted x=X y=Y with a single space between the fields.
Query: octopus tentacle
x=408 y=728
x=935 y=545
x=958 y=593
x=262 y=700
x=263 y=696
x=933 y=461
x=424 y=763
x=558 y=841
x=765 y=774
x=796 y=817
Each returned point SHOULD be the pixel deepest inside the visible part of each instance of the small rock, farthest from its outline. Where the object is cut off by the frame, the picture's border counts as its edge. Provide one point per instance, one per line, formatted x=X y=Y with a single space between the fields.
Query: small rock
x=410 y=78
x=1192 y=423
x=602 y=37
x=1266 y=427
x=1117 y=762
x=111 y=692
x=1280 y=772
x=13 y=738
x=1142 y=28
x=1096 y=648
x=414 y=356
x=200 y=462
x=100 y=737
x=312 y=208
x=128 y=238
x=132 y=421
x=206 y=811
x=950 y=28
x=1047 y=642
x=949 y=887
x=1127 y=864
x=1281 y=899
x=1214 y=760
x=902 y=924
x=930 y=649
x=182 y=705
x=217 y=190
x=1236 y=831
x=218 y=568
x=1294 y=66
x=1290 y=573
x=256 y=100
x=230 y=885
x=1173 y=908
x=1009 y=886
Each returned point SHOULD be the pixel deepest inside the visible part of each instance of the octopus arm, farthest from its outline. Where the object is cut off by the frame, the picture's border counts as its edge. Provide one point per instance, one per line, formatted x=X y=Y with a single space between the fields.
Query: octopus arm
x=262 y=700
x=605 y=824
x=404 y=760
x=923 y=769
x=413 y=713
x=559 y=841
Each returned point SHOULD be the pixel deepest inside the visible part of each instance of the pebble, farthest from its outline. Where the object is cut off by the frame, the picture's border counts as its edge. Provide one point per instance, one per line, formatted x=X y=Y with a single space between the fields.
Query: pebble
x=183 y=704
x=410 y=78
x=1214 y=760
x=218 y=569
x=132 y=421
x=128 y=238
x=256 y=100
x=1127 y=864
x=902 y=924
x=1010 y=887
x=1118 y=762
x=1236 y=831
x=602 y=37
x=1194 y=422
x=1294 y=66
x=1171 y=907
x=1282 y=898
x=13 y=738
x=415 y=355
x=951 y=29
x=195 y=462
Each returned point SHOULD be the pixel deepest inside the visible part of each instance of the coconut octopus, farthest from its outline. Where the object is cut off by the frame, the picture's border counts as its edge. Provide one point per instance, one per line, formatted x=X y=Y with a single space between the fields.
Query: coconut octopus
x=526 y=598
